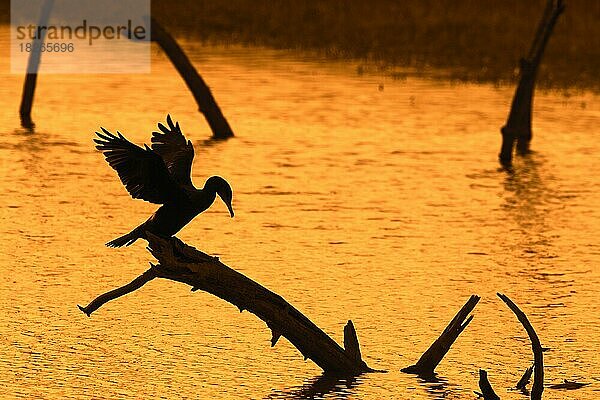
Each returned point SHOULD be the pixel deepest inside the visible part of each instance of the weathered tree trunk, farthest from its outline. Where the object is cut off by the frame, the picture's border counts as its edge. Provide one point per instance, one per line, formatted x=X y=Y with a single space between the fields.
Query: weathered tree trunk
x=433 y=356
x=182 y=263
x=518 y=125
x=538 y=357
x=200 y=90
x=33 y=64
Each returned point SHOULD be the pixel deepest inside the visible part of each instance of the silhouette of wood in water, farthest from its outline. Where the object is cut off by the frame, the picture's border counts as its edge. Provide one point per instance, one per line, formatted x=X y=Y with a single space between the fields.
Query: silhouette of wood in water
x=538 y=357
x=568 y=385
x=487 y=392
x=538 y=364
x=206 y=102
x=524 y=381
x=426 y=365
x=33 y=65
x=182 y=263
x=202 y=94
x=518 y=125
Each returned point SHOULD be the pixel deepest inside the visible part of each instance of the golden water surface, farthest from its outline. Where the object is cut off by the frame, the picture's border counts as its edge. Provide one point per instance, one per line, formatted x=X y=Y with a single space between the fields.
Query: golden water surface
x=356 y=196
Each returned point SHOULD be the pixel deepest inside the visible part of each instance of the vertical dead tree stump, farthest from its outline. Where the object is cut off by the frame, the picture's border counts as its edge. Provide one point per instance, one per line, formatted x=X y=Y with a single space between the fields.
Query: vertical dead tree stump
x=426 y=365
x=518 y=125
x=33 y=65
x=207 y=104
x=182 y=263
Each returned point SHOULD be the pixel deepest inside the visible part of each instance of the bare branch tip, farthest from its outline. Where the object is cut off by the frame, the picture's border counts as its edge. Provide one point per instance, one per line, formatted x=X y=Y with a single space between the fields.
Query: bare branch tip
x=274 y=337
x=84 y=310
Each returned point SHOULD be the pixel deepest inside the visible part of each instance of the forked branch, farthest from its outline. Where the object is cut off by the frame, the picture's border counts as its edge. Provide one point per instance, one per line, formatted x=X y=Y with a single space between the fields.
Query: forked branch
x=182 y=263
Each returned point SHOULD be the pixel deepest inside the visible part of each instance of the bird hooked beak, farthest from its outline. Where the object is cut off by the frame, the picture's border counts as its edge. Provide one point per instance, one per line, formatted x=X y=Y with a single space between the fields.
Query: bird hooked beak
x=230 y=208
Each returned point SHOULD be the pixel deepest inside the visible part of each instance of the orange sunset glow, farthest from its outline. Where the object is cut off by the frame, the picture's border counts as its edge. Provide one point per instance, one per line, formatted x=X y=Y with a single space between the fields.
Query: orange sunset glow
x=300 y=200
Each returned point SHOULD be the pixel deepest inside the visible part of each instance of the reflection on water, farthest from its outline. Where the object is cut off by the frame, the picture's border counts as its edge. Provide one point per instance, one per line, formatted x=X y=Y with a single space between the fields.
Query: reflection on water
x=528 y=203
x=527 y=199
x=381 y=206
x=440 y=388
x=324 y=386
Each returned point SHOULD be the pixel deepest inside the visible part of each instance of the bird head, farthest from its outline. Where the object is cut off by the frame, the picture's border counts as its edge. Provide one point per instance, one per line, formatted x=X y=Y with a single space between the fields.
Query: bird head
x=223 y=189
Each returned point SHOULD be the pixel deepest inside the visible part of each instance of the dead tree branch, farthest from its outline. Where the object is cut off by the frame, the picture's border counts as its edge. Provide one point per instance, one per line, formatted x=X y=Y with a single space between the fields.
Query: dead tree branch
x=207 y=104
x=538 y=356
x=122 y=291
x=433 y=356
x=182 y=263
x=518 y=124
x=487 y=392
x=524 y=381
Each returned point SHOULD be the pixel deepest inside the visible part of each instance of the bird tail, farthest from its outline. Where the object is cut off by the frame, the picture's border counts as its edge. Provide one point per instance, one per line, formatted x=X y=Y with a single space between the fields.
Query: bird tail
x=125 y=240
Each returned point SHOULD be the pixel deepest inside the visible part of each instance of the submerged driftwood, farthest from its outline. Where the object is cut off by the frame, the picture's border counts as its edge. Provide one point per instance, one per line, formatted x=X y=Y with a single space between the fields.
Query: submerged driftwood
x=33 y=65
x=426 y=365
x=538 y=356
x=568 y=385
x=207 y=104
x=518 y=124
x=182 y=263
x=487 y=392
x=538 y=361
x=524 y=381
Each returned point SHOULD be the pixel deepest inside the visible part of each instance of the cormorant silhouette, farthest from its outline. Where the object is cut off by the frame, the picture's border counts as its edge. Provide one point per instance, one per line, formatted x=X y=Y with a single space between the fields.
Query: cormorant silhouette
x=161 y=175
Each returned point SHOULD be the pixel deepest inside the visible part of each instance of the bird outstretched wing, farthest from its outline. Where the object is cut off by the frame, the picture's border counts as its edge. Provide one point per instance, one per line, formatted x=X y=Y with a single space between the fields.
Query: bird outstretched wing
x=142 y=171
x=175 y=150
